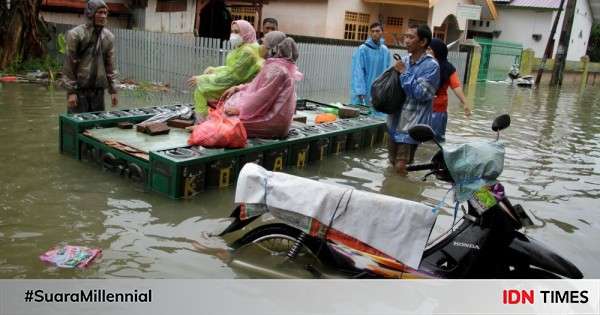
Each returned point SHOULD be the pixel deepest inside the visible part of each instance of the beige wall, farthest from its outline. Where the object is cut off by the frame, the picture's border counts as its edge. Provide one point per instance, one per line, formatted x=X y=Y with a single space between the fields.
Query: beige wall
x=302 y=17
x=336 y=10
x=325 y=18
x=328 y=16
x=171 y=22
x=405 y=12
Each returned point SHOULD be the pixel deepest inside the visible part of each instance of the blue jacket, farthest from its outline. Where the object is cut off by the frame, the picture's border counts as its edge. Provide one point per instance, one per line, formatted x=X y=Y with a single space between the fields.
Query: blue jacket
x=420 y=81
x=369 y=61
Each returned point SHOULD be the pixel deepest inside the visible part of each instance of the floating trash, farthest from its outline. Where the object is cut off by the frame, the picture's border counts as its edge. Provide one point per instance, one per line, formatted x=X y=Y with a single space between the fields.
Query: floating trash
x=71 y=256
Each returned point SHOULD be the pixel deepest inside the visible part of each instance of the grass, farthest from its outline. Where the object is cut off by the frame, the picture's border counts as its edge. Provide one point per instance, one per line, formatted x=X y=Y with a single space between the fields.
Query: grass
x=19 y=66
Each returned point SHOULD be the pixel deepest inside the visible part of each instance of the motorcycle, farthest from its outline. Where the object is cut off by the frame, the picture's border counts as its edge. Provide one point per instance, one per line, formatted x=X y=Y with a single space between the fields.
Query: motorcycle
x=516 y=78
x=484 y=243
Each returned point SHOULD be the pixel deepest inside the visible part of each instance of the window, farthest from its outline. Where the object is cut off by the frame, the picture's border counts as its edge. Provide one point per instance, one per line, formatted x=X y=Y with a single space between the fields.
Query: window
x=245 y=13
x=171 y=5
x=393 y=34
x=394 y=21
x=487 y=24
x=356 y=26
x=480 y=23
x=473 y=23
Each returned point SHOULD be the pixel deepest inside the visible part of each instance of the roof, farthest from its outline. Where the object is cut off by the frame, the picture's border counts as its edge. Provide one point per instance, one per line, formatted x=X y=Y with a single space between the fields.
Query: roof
x=77 y=6
x=547 y=4
x=537 y=4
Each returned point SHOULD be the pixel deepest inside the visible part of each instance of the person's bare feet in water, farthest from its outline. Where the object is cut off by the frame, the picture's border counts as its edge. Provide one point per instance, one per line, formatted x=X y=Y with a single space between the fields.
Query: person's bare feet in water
x=400 y=168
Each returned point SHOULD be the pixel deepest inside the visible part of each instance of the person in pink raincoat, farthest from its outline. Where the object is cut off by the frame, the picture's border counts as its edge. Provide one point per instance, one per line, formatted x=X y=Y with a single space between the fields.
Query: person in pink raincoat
x=266 y=105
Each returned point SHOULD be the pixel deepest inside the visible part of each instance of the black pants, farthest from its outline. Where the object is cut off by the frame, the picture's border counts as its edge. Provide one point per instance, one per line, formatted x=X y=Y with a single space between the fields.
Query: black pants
x=88 y=100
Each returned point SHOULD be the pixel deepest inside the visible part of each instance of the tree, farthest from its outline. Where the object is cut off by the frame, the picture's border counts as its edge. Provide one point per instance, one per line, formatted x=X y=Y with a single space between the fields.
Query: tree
x=594 y=43
x=23 y=33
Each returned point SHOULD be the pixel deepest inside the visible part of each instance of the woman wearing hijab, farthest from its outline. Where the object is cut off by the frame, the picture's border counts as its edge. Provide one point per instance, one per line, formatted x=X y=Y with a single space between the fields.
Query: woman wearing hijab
x=448 y=77
x=266 y=105
x=241 y=65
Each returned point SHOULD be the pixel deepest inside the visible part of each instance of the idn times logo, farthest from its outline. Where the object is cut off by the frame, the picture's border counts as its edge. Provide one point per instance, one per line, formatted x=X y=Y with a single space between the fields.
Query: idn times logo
x=513 y=296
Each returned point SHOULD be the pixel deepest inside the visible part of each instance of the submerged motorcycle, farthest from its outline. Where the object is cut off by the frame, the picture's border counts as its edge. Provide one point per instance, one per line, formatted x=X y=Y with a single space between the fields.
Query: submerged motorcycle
x=484 y=243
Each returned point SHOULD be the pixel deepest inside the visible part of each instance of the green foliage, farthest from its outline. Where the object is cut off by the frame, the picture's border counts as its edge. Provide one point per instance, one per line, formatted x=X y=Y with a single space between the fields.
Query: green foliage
x=61 y=43
x=594 y=43
x=15 y=66
x=142 y=91
x=44 y=64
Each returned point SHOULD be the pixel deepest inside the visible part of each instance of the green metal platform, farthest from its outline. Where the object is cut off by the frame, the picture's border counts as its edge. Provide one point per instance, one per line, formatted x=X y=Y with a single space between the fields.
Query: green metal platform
x=168 y=165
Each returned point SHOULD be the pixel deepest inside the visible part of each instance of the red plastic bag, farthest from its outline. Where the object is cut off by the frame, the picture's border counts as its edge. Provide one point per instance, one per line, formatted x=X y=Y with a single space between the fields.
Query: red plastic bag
x=219 y=131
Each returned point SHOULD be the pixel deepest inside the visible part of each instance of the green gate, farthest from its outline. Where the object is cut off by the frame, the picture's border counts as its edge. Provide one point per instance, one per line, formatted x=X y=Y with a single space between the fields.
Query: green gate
x=497 y=58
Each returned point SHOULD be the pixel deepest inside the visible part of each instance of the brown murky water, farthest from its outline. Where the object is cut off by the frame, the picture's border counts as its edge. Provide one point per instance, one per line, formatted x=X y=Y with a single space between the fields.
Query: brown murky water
x=552 y=168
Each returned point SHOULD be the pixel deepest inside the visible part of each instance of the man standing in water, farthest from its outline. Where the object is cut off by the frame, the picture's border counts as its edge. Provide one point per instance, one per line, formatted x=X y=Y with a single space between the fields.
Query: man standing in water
x=89 y=62
x=368 y=62
x=419 y=78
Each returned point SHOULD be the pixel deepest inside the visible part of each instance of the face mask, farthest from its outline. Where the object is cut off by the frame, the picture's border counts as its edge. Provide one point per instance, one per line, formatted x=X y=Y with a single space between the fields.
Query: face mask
x=235 y=40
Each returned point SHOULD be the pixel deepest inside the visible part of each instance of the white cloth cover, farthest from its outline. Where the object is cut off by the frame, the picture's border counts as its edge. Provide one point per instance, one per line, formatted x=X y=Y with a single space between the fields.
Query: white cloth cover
x=397 y=227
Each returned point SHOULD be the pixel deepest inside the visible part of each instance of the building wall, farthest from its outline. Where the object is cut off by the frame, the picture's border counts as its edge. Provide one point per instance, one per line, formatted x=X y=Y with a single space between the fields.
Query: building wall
x=442 y=9
x=170 y=22
x=301 y=17
x=518 y=25
x=336 y=10
x=580 y=33
x=406 y=12
x=325 y=18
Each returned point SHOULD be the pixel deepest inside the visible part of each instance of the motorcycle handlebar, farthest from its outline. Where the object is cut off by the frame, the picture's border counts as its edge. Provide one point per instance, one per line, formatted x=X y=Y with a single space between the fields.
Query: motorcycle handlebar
x=420 y=167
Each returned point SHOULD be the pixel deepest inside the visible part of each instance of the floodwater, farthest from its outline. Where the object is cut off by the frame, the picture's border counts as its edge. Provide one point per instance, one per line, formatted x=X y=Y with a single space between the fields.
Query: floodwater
x=552 y=169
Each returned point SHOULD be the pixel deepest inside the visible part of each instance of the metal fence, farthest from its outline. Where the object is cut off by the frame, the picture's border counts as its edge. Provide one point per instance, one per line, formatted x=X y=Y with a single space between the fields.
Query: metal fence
x=497 y=58
x=172 y=58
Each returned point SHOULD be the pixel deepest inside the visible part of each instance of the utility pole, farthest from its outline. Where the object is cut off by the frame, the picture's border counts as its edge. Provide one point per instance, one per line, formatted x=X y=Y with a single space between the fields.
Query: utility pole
x=563 y=44
x=548 y=51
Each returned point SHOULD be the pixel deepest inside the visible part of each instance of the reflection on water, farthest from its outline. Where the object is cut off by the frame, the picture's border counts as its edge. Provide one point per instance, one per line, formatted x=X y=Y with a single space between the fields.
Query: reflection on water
x=47 y=199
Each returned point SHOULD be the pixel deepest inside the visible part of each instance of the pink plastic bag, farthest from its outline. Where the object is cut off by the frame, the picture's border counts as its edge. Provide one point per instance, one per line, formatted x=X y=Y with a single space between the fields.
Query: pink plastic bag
x=70 y=256
x=219 y=131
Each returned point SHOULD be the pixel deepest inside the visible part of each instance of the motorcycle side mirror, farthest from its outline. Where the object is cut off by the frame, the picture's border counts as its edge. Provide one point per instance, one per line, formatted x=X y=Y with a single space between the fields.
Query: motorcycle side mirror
x=501 y=122
x=423 y=133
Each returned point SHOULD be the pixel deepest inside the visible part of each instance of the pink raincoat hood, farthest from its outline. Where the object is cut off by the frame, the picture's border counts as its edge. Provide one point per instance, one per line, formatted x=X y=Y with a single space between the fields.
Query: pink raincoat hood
x=247 y=32
x=267 y=104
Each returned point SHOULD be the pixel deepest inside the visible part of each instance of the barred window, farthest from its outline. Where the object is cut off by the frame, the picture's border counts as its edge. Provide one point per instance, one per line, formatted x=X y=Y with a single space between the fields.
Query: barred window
x=249 y=14
x=356 y=25
x=394 y=21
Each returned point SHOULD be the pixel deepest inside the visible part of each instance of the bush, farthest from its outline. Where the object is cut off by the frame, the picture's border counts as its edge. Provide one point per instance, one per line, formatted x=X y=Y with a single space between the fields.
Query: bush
x=594 y=43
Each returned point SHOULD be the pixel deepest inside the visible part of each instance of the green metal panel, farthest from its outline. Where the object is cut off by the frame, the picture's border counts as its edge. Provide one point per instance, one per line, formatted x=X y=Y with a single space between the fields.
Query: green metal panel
x=182 y=175
x=497 y=58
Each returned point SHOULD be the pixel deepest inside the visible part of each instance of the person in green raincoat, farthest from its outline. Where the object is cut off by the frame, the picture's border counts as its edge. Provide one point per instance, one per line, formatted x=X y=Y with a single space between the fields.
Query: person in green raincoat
x=241 y=65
